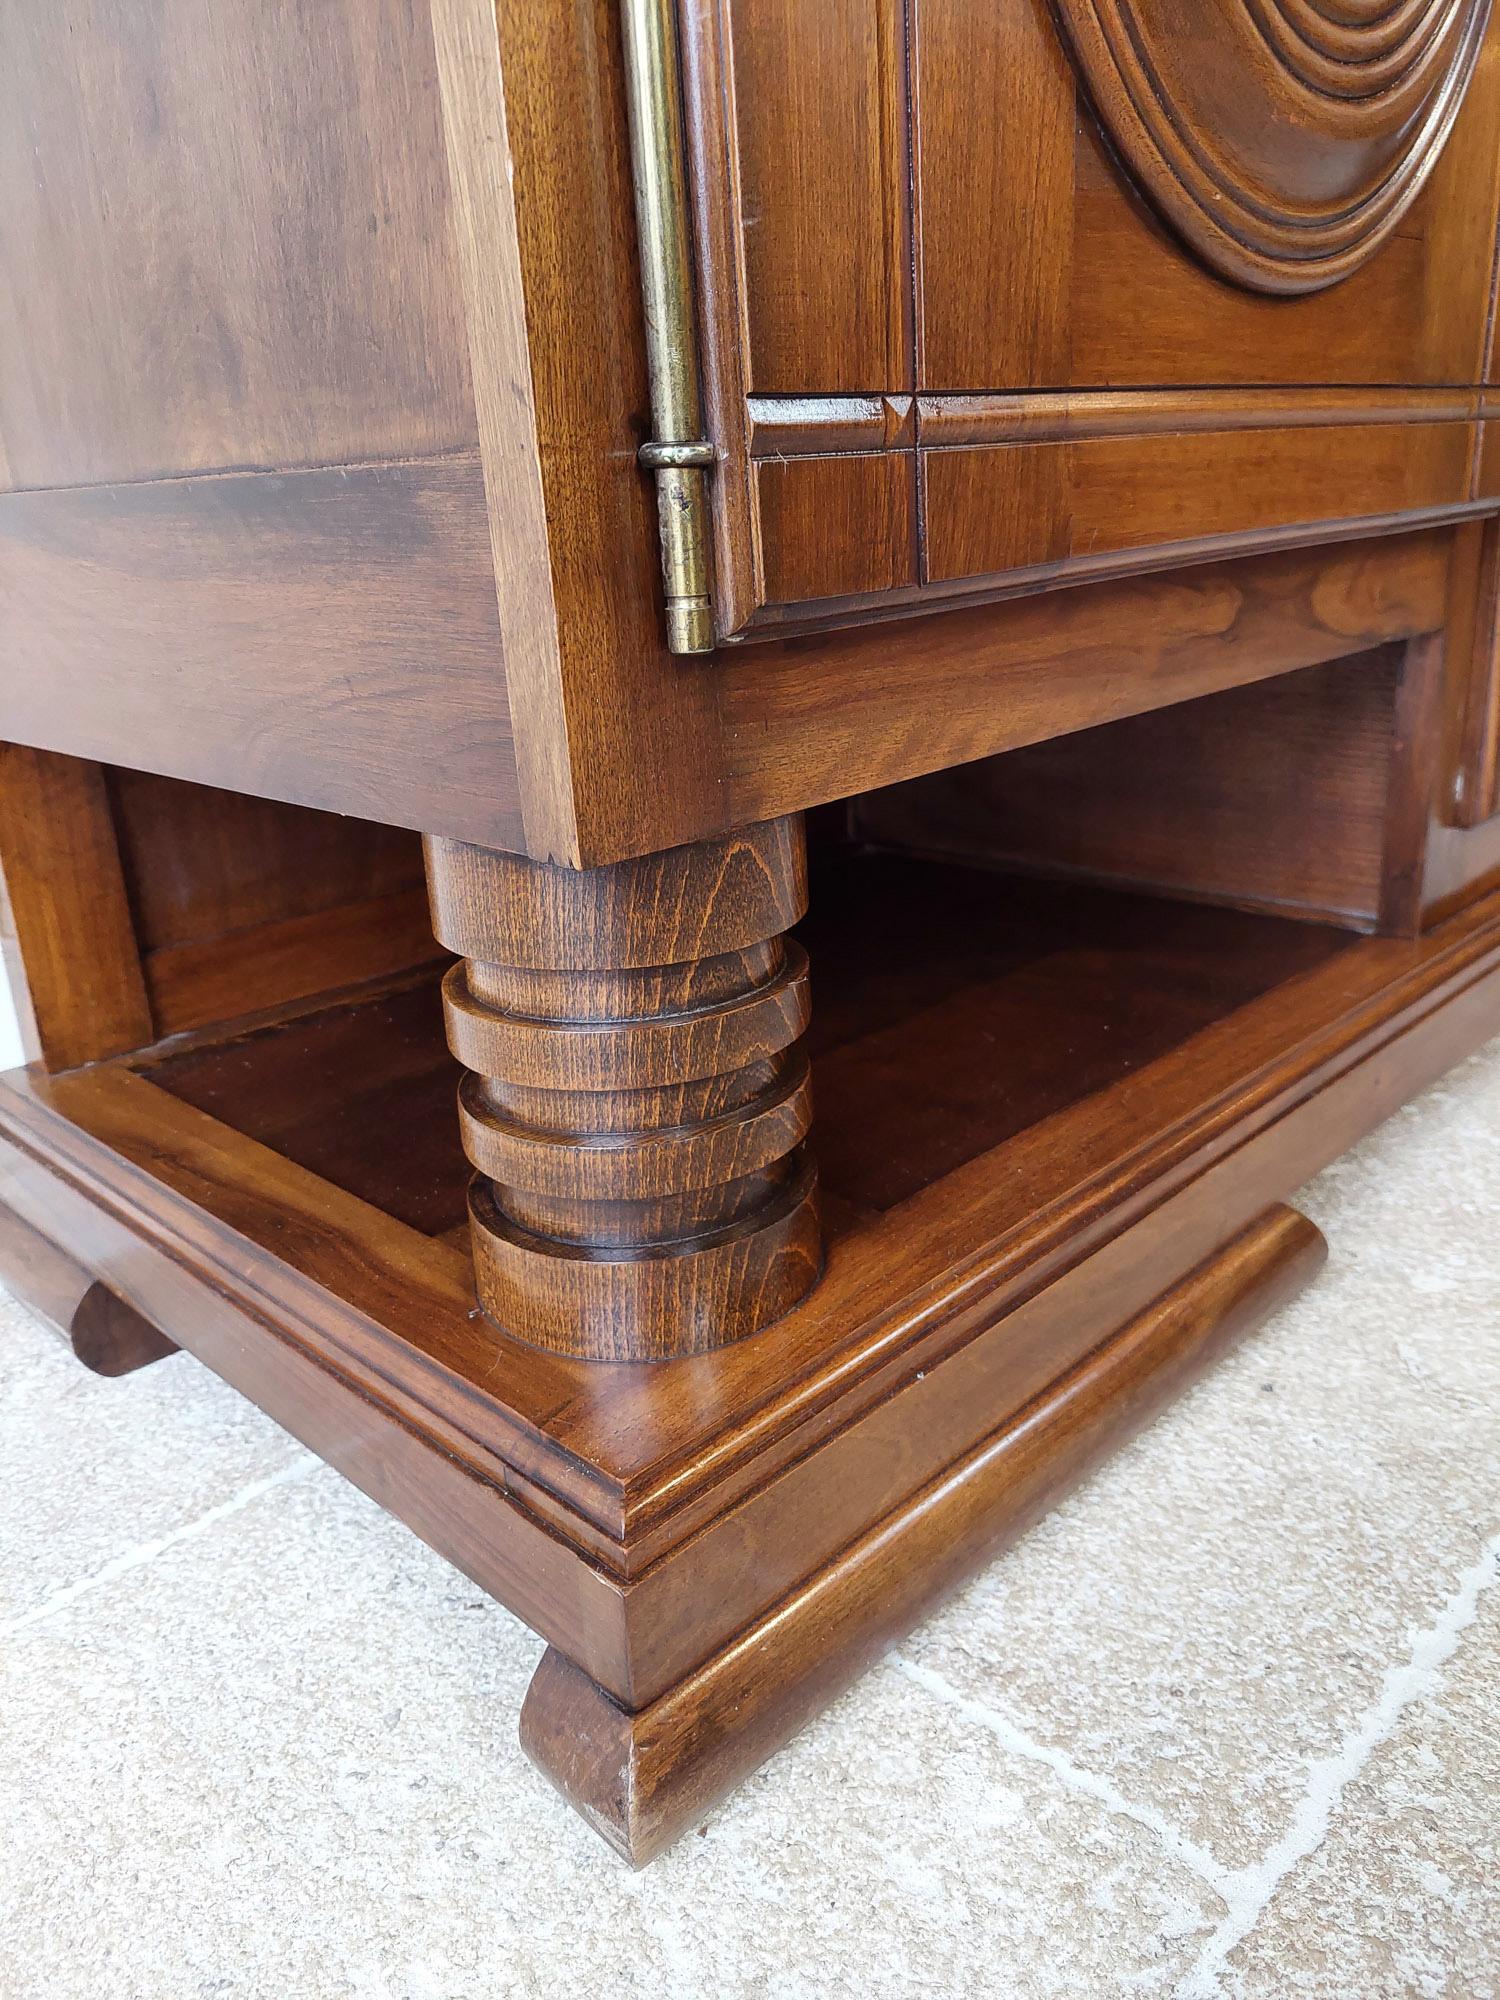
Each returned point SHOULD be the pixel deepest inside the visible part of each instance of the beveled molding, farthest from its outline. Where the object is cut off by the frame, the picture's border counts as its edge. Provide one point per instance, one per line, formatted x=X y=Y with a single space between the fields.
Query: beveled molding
x=810 y=426
x=877 y=505
x=1282 y=139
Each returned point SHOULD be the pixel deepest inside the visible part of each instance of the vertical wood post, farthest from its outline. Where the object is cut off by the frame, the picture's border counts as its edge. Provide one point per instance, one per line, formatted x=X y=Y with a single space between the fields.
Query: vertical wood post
x=638 y=1100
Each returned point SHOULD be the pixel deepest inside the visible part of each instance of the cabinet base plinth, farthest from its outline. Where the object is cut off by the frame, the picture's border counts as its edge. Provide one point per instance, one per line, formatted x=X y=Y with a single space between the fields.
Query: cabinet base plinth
x=643 y=1778
x=1053 y=1147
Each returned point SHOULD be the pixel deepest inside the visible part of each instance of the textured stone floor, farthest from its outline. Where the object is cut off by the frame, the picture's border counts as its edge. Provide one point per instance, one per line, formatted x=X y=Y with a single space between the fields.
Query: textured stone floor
x=1227 y=1723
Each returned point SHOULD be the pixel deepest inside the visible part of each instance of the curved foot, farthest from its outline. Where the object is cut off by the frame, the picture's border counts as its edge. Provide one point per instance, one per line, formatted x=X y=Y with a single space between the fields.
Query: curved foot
x=111 y=1337
x=643 y=1779
x=107 y=1335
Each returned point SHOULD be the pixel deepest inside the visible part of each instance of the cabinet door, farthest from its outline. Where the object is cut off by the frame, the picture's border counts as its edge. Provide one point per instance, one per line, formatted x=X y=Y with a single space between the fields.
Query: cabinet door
x=997 y=295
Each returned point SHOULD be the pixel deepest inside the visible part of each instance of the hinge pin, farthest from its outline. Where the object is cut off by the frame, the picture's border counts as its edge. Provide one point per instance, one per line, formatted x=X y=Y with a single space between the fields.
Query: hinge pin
x=679 y=456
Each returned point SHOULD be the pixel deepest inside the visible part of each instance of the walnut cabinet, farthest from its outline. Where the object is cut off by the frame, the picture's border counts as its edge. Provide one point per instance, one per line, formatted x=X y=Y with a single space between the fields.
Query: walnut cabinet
x=728 y=730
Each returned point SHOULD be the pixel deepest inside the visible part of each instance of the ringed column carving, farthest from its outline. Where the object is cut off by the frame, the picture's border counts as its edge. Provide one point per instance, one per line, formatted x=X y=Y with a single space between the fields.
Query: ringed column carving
x=637 y=1104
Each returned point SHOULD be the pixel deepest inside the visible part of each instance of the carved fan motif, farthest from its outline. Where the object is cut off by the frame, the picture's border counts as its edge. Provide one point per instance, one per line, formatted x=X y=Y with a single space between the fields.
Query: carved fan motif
x=1283 y=138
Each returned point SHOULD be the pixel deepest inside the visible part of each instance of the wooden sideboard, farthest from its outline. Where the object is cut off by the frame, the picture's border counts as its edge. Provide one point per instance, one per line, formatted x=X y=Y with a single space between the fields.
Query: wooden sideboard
x=869 y=632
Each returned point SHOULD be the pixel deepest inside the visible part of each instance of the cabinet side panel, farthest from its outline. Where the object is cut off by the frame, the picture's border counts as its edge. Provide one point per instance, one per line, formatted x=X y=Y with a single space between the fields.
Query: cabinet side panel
x=224 y=241
x=329 y=638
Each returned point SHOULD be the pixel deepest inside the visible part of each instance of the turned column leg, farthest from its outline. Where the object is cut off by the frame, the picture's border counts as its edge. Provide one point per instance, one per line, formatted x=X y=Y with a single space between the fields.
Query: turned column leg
x=637 y=1103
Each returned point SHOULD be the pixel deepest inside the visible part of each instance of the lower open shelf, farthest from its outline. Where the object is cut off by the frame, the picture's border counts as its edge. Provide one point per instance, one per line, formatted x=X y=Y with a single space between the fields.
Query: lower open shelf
x=953 y=1009
x=1057 y=1130
x=1036 y=1108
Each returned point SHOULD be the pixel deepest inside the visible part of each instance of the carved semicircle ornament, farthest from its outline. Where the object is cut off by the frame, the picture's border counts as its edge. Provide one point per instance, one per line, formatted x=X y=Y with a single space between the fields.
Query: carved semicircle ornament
x=1284 y=139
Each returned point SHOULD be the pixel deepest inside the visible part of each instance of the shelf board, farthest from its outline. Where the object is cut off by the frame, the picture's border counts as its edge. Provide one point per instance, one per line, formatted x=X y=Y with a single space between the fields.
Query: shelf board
x=953 y=1009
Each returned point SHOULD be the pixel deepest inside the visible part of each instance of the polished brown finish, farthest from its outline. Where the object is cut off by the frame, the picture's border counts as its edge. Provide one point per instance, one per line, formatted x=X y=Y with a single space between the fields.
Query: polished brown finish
x=643 y=1778
x=144 y=907
x=1355 y=166
x=192 y=284
x=1475 y=629
x=325 y=1088
x=1121 y=637
x=637 y=1099
x=1060 y=506
x=120 y=606
x=640 y=1517
x=1101 y=294
x=837 y=527
x=1284 y=139
x=962 y=1302
x=66 y=893
x=108 y=1336
x=1308 y=794
x=241 y=904
x=808 y=723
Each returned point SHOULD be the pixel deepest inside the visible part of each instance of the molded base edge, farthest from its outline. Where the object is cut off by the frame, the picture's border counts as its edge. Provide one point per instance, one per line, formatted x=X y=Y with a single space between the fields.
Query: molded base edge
x=642 y=1779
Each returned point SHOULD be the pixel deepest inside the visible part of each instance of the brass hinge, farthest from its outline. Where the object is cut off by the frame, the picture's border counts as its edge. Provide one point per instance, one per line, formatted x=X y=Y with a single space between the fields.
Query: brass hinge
x=679 y=455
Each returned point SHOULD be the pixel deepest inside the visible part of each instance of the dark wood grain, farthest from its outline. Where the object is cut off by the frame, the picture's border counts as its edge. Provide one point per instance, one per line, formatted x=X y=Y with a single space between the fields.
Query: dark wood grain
x=1021 y=506
x=808 y=723
x=1288 y=795
x=628 y=708
x=637 y=1098
x=728 y=1479
x=321 y=410
x=1474 y=660
x=108 y=1336
x=329 y=638
x=643 y=1779
x=1256 y=1071
x=1377 y=209
x=326 y=1089
x=1121 y=300
x=67 y=899
x=224 y=242
x=241 y=904
x=202 y=863
x=1086 y=988
x=1324 y=125
x=837 y=527
x=818 y=99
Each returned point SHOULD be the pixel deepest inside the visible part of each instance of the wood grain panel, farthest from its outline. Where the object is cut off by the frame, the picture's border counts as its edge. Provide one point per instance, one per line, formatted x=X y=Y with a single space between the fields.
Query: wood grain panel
x=1042 y=416
x=818 y=97
x=240 y=903
x=465 y=34
x=69 y=908
x=1002 y=507
x=994 y=182
x=1487 y=461
x=1273 y=796
x=224 y=240
x=325 y=637
x=1473 y=650
x=201 y=863
x=836 y=527
x=631 y=709
x=643 y=1778
x=207 y=981
x=1145 y=312
x=1284 y=143
x=1041 y=265
x=812 y=721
